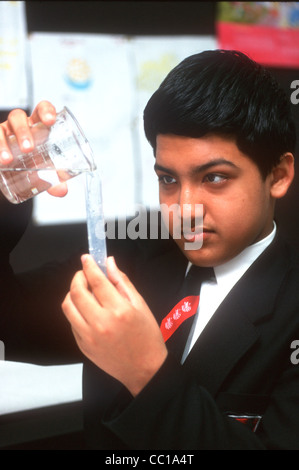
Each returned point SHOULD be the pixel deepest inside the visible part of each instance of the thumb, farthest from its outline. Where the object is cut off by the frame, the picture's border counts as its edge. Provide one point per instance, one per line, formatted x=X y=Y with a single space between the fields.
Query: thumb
x=120 y=280
x=59 y=190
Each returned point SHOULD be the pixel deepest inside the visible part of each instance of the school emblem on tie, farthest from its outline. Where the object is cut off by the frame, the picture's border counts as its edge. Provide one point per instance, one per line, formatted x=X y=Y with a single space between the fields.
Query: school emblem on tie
x=184 y=309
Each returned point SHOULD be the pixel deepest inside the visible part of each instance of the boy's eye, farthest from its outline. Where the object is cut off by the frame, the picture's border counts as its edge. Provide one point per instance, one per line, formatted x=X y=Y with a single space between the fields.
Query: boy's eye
x=165 y=179
x=215 y=178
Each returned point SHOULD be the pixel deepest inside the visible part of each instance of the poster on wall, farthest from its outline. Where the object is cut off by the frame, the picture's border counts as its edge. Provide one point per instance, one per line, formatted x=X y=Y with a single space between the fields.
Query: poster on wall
x=13 y=56
x=153 y=58
x=106 y=80
x=266 y=31
x=90 y=75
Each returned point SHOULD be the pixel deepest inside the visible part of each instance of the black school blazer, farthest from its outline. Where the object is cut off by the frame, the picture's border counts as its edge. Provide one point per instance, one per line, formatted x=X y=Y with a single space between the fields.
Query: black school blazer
x=239 y=387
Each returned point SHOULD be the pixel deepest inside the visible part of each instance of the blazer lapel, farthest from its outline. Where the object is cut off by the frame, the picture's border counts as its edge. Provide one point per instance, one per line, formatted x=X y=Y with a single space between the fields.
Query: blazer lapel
x=233 y=329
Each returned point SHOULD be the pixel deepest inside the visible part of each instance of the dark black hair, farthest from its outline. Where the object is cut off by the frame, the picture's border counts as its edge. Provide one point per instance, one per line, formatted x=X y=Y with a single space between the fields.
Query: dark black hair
x=224 y=92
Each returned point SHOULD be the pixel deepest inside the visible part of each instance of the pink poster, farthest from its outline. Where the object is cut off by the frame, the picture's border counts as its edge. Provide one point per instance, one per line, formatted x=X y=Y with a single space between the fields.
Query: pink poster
x=267 y=31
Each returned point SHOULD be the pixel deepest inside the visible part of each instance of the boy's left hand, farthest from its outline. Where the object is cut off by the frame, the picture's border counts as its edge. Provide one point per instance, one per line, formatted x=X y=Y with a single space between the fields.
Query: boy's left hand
x=113 y=325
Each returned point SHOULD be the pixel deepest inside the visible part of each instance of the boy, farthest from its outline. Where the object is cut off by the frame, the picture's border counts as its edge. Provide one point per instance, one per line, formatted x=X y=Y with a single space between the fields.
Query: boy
x=223 y=137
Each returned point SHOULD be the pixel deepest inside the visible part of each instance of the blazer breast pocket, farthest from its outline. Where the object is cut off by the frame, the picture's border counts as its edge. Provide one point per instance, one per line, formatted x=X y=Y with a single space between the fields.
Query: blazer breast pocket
x=245 y=408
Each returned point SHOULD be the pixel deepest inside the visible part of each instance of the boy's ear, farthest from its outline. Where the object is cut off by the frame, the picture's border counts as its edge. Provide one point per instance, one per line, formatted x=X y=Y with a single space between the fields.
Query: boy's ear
x=282 y=176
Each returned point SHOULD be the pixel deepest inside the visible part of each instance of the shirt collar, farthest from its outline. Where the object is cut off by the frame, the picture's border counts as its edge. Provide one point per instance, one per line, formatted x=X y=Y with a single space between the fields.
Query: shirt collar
x=232 y=270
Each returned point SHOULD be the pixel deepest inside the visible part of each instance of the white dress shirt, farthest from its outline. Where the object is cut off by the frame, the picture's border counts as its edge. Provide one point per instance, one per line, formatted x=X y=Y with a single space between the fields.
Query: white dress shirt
x=213 y=292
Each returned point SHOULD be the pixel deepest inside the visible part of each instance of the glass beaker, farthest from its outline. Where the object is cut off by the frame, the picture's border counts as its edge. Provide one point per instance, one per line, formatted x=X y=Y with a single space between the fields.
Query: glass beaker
x=61 y=152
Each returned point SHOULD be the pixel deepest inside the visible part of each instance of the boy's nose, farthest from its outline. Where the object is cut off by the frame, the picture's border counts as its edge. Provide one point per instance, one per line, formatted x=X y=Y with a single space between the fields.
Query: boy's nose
x=191 y=207
x=191 y=198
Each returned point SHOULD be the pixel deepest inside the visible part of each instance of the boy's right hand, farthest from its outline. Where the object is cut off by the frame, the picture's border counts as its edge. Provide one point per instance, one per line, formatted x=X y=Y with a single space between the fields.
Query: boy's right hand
x=18 y=124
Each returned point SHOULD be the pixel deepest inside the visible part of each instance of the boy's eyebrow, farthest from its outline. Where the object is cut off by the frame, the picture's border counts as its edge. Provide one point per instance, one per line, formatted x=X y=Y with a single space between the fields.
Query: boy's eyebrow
x=199 y=168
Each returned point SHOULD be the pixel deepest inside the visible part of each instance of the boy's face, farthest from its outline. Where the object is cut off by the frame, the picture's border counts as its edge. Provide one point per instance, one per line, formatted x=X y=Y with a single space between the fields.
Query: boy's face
x=237 y=203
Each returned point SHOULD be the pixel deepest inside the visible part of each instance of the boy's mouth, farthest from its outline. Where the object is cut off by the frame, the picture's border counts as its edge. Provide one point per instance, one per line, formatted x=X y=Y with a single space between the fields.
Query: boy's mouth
x=196 y=234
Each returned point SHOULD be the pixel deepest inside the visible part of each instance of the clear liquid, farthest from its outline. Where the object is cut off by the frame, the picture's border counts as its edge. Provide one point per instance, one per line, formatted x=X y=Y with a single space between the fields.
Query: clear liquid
x=20 y=184
x=95 y=219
